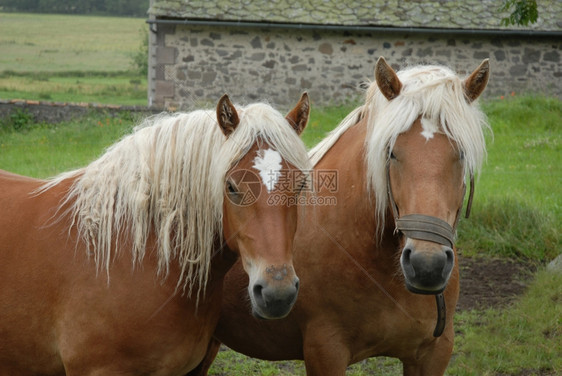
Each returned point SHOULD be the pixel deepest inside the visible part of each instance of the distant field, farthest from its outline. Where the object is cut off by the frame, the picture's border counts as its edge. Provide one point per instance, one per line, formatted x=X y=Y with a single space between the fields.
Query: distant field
x=71 y=58
x=121 y=89
x=62 y=43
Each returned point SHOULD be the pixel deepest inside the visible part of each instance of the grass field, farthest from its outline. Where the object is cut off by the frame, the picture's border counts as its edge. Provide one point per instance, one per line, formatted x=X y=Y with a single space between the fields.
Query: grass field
x=517 y=211
x=71 y=58
x=62 y=43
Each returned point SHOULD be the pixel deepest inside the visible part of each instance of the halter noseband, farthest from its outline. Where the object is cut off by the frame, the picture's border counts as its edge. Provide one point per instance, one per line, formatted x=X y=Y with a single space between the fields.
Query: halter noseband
x=425 y=227
x=433 y=229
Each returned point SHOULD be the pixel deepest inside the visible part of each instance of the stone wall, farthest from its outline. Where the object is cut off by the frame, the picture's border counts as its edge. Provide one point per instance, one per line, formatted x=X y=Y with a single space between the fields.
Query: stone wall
x=194 y=65
x=56 y=112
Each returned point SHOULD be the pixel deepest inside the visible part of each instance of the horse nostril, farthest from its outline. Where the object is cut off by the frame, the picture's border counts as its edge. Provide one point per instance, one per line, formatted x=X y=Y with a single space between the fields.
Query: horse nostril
x=297 y=285
x=407 y=263
x=450 y=263
x=450 y=256
x=258 y=292
x=406 y=254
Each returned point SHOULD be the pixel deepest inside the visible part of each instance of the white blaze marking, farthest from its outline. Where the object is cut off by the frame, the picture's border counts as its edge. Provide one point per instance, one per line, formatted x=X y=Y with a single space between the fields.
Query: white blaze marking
x=268 y=163
x=429 y=128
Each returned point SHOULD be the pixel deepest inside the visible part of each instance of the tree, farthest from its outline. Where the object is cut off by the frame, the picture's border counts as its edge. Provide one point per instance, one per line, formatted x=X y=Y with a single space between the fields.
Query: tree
x=524 y=11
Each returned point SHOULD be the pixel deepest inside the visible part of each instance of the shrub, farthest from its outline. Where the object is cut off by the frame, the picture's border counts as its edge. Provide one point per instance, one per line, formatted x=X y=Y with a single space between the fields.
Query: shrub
x=18 y=120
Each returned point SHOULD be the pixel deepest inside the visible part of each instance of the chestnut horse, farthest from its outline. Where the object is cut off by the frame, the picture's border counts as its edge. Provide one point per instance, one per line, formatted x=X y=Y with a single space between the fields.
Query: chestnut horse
x=372 y=265
x=117 y=268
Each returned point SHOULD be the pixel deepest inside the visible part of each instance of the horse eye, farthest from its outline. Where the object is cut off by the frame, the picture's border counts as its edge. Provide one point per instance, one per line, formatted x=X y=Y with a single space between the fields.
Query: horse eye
x=230 y=188
x=392 y=156
x=461 y=155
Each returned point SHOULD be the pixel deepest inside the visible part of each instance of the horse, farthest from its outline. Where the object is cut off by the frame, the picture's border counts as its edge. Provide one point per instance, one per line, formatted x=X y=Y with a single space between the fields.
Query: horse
x=118 y=267
x=379 y=270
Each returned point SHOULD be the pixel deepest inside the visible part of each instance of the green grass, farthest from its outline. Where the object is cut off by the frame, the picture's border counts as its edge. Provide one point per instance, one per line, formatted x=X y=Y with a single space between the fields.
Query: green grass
x=524 y=337
x=322 y=120
x=517 y=209
x=44 y=150
x=507 y=227
x=229 y=362
x=524 y=155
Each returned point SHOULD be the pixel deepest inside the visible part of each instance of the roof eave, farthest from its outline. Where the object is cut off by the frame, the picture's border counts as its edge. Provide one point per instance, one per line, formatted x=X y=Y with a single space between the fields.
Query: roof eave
x=359 y=28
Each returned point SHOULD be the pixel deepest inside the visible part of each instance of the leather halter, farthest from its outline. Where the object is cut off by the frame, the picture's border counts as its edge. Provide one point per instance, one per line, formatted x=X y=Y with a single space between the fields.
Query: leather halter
x=426 y=227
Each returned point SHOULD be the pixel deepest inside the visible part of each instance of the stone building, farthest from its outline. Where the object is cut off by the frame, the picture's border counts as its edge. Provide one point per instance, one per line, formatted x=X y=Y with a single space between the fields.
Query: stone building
x=275 y=49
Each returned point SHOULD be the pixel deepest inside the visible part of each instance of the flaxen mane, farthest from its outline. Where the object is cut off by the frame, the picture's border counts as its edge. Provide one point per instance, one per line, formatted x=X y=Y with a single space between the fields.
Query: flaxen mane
x=434 y=92
x=168 y=177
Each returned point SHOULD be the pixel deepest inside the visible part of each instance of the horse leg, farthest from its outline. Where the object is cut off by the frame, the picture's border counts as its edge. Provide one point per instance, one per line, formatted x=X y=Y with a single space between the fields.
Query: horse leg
x=325 y=354
x=436 y=359
x=203 y=368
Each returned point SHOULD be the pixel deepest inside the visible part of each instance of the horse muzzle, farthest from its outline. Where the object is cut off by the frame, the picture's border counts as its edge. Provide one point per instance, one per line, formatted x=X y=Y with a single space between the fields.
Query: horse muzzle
x=427 y=258
x=426 y=271
x=274 y=294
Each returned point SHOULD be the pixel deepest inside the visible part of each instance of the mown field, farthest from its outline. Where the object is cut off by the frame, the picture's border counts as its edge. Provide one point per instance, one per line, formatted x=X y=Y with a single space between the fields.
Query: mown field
x=517 y=211
x=71 y=58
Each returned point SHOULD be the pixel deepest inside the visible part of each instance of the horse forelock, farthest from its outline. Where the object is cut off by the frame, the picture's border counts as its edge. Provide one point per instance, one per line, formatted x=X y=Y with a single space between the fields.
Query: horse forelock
x=436 y=93
x=266 y=126
x=167 y=178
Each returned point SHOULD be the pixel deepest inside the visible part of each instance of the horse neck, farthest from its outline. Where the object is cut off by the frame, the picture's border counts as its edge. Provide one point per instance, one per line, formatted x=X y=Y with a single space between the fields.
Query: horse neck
x=352 y=222
x=347 y=157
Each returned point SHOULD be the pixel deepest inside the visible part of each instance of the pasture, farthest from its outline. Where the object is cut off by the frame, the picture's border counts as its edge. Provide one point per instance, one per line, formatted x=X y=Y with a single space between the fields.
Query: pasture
x=71 y=58
x=516 y=215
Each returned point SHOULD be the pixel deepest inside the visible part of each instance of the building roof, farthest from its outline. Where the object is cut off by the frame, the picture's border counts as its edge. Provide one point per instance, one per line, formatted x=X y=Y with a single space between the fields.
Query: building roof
x=453 y=14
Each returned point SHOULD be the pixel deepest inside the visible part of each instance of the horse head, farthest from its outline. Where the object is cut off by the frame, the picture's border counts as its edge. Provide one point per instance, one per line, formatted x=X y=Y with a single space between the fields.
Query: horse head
x=426 y=169
x=260 y=212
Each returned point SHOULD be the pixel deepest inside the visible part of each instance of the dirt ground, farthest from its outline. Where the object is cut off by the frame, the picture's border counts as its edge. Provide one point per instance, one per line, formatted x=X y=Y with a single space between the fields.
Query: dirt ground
x=489 y=283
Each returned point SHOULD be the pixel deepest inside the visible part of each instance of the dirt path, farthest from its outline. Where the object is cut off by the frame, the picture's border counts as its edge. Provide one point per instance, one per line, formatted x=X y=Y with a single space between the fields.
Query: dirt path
x=489 y=283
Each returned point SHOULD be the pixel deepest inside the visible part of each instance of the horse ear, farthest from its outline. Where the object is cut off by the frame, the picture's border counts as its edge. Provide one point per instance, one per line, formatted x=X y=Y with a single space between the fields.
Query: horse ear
x=475 y=84
x=298 y=116
x=387 y=80
x=227 y=116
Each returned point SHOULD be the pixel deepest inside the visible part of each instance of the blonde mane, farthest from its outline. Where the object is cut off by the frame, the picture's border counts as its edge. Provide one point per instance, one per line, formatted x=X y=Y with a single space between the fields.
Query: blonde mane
x=168 y=177
x=434 y=92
